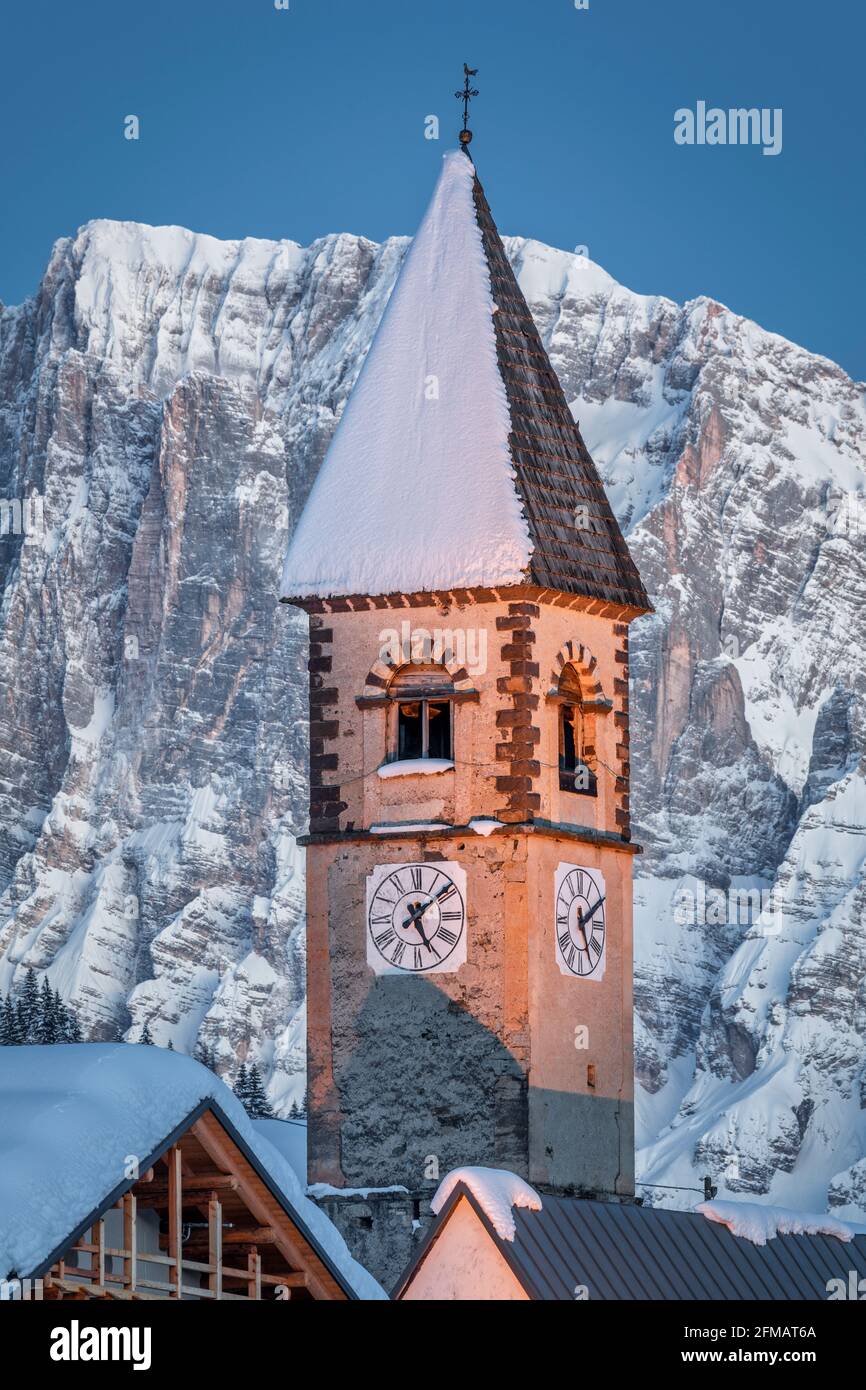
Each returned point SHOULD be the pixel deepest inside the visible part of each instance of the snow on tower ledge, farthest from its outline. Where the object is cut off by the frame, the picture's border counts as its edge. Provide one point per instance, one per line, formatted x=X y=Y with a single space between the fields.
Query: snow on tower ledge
x=417 y=490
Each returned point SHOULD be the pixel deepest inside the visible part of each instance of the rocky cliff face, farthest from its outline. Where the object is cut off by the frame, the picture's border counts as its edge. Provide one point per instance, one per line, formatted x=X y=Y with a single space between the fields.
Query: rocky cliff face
x=169 y=397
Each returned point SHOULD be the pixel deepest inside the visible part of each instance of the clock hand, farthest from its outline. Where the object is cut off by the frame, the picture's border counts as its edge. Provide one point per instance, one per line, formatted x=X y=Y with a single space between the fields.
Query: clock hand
x=584 y=918
x=579 y=925
x=414 y=920
x=419 y=911
x=416 y=914
x=591 y=914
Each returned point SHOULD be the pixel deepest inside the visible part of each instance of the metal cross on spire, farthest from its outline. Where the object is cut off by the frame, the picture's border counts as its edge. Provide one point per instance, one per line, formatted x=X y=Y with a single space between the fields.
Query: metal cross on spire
x=465 y=95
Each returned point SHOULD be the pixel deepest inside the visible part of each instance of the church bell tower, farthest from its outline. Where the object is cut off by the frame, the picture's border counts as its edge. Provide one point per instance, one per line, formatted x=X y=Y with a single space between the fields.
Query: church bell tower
x=469 y=860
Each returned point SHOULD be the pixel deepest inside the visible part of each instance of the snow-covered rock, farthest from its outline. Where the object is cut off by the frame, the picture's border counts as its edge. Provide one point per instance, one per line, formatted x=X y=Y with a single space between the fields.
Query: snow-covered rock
x=171 y=397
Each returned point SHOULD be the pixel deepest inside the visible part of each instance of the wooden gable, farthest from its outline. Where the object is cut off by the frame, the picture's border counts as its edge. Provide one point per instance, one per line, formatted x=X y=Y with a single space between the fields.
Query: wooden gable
x=203 y=1221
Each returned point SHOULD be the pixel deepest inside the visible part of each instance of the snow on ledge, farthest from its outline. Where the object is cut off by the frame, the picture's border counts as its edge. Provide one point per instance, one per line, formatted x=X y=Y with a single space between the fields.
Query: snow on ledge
x=757 y=1223
x=414 y=767
x=317 y=1190
x=408 y=827
x=484 y=825
x=495 y=1190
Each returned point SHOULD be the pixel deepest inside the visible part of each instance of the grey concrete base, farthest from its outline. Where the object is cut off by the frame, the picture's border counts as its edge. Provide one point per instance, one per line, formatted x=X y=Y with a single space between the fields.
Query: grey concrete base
x=581 y=1144
x=382 y=1230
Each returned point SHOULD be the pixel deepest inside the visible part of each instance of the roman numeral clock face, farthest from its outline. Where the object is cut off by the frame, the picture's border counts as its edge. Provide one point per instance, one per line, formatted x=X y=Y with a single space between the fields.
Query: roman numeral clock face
x=416 y=918
x=580 y=897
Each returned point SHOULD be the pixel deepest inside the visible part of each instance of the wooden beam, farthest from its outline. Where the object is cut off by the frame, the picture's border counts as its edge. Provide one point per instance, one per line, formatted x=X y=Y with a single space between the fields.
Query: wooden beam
x=215 y=1247
x=200 y=1182
x=175 y=1217
x=254 y=1283
x=197 y=1187
x=255 y=1235
x=266 y=1209
x=130 y=1241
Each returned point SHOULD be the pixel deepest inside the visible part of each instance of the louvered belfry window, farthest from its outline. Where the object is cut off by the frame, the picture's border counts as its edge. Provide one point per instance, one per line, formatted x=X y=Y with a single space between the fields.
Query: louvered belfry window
x=575 y=749
x=423 y=727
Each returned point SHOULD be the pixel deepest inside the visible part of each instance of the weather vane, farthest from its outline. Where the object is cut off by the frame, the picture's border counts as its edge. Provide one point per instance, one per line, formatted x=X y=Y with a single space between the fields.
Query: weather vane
x=466 y=95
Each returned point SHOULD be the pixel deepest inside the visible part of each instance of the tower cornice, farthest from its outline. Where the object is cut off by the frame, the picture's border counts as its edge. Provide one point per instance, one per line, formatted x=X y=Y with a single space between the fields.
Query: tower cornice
x=583 y=834
x=451 y=598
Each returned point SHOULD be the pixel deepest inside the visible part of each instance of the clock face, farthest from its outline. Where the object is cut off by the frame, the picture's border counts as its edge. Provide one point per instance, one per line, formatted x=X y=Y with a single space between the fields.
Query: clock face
x=416 y=918
x=580 y=921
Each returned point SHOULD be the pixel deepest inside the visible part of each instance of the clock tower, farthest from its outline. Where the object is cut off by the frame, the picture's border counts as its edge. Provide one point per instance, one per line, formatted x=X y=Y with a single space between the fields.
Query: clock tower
x=469 y=858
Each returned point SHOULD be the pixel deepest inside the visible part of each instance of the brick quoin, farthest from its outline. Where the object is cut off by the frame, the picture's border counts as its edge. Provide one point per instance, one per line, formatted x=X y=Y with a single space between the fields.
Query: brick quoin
x=523 y=771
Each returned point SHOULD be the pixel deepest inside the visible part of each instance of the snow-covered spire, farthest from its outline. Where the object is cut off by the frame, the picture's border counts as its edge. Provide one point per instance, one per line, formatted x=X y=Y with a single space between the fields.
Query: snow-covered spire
x=457 y=464
x=417 y=491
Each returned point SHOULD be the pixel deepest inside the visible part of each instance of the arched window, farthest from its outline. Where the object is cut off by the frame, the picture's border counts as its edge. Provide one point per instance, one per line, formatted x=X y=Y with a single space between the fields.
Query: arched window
x=576 y=738
x=423 y=720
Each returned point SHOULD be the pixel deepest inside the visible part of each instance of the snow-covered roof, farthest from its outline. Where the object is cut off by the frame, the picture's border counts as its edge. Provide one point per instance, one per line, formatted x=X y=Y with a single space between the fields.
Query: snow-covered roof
x=456 y=463
x=557 y=1246
x=497 y=1192
x=72 y=1115
x=759 y=1223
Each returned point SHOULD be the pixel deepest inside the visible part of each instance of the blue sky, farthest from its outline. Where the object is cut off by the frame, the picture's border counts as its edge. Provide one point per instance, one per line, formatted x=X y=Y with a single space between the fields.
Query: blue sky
x=293 y=123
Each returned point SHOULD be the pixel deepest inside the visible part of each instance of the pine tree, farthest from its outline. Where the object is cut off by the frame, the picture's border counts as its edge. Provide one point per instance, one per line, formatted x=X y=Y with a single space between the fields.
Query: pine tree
x=28 y=1006
x=72 y=1031
x=9 y=1036
x=62 y=1019
x=46 y=1022
x=146 y=1038
x=242 y=1084
x=206 y=1055
x=258 y=1107
x=170 y=1045
x=302 y=1108
x=293 y=1110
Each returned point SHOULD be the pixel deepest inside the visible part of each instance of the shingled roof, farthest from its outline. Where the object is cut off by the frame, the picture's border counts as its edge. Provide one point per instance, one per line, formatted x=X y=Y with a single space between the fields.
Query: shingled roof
x=555 y=472
x=456 y=464
x=624 y=1251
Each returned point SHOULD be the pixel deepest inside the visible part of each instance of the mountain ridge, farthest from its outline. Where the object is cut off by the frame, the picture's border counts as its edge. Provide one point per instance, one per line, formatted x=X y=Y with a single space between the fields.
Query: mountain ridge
x=173 y=410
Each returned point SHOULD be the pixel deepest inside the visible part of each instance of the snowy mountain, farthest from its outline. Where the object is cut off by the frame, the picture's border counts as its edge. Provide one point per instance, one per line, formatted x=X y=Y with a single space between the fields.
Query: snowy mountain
x=170 y=398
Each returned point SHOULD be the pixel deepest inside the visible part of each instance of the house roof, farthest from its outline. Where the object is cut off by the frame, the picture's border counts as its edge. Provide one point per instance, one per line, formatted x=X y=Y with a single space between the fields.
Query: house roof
x=622 y=1251
x=72 y=1116
x=457 y=463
